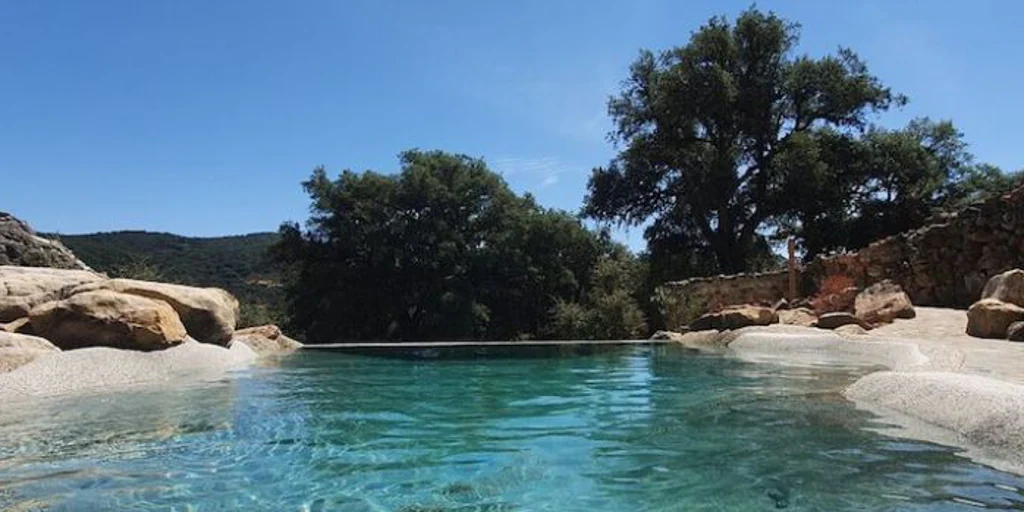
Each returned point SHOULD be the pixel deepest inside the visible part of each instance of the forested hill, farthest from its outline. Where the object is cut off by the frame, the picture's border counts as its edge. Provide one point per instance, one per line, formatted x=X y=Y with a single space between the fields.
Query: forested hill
x=239 y=264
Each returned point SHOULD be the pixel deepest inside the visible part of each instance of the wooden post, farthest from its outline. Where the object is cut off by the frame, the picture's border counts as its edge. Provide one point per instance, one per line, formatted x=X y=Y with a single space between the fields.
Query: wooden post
x=792 y=270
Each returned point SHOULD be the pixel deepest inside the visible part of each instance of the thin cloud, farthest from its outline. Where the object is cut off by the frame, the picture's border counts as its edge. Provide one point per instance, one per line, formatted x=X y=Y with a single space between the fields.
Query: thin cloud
x=534 y=173
x=548 y=181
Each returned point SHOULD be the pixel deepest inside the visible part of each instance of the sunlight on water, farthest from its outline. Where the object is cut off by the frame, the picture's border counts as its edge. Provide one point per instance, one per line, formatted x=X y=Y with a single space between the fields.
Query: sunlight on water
x=640 y=430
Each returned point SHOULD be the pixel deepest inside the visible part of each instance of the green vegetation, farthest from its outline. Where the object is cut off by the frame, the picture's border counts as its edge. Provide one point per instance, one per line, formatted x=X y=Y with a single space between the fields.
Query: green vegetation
x=238 y=264
x=734 y=141
x=444 y=250
x=609 y=308
x=729 y=144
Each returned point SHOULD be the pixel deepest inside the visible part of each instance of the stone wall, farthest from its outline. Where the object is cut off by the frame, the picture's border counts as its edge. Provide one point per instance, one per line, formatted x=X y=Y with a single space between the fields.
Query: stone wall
x=682 y=301
x=946 y=263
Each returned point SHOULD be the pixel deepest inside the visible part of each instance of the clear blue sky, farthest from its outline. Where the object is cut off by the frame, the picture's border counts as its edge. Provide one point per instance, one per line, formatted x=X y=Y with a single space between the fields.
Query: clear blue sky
x=201 y=117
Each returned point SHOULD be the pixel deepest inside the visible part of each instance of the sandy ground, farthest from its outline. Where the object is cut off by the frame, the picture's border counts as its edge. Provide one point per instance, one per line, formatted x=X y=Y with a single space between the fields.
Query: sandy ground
x=934 y=382
x=936 y=329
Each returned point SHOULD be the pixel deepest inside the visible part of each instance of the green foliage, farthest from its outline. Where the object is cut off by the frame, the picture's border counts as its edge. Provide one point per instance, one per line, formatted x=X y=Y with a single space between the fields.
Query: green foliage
x=848 y=192
x=570 y=320
x=733 y=142
x=984 y=181
x=677 y=311
x=900 y=177
x=252 y=314
x=609 y=309
x=138 y=267
x=238 y=264
x=708 y=129
x=443 y=250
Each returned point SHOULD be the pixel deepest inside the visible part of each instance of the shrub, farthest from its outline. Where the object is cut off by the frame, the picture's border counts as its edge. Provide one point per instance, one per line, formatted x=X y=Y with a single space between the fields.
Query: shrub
x=678 y=311
x=139 y=267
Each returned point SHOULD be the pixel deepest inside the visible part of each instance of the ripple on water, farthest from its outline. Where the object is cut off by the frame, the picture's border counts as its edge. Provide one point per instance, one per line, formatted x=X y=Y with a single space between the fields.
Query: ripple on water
x=639 y=430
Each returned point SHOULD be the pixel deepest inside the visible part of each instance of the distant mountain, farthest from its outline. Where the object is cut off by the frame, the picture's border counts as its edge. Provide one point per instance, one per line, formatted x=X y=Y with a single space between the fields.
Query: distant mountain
x=239 y=264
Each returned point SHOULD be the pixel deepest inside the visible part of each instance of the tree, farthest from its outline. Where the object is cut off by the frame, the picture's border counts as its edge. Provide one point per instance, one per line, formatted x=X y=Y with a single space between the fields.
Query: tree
x=847 y=192
x=610 y=308
x=442 y=250
x=708 y=130
x=984 y=181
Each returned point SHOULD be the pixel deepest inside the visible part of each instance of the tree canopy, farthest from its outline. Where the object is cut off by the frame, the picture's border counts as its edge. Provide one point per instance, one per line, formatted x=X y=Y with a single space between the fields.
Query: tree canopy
x=734 y=140
x=442 y=250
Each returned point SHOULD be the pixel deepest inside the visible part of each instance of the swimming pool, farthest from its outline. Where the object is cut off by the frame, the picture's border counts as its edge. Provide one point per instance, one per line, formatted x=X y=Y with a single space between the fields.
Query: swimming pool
x=640 y=429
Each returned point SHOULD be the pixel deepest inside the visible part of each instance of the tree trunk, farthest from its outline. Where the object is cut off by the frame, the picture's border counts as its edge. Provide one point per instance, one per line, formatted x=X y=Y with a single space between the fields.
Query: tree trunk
x=731 y=260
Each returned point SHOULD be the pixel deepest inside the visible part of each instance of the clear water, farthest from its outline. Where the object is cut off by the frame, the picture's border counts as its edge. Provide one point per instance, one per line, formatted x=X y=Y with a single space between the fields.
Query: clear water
x=643 y=430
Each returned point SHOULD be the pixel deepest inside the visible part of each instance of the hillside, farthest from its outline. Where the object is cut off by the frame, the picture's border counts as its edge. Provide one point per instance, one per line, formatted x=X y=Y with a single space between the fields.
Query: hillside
x=239 y=264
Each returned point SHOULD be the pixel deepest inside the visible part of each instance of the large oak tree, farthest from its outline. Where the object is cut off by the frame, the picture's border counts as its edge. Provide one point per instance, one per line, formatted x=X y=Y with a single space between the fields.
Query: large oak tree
x=709 y=129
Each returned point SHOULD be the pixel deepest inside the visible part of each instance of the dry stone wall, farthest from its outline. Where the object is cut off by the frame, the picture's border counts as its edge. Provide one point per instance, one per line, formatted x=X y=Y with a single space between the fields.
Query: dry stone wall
x=946 y=263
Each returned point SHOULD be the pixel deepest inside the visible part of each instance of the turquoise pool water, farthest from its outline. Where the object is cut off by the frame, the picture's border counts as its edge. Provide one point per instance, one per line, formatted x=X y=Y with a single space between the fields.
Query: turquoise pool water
x=648 y=429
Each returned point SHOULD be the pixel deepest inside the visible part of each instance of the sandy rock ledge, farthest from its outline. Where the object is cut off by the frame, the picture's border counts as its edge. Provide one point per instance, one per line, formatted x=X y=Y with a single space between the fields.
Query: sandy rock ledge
x=933 y=383
x=101 y=369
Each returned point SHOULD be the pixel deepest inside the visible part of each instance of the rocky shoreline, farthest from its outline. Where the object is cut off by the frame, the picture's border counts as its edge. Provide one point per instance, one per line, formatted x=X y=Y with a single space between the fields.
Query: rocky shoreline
x=65 y=328
x=69 y=330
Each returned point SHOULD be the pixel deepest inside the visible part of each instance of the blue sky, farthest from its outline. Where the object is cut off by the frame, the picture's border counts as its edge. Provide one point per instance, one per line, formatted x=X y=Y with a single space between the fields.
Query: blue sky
x=201 y=118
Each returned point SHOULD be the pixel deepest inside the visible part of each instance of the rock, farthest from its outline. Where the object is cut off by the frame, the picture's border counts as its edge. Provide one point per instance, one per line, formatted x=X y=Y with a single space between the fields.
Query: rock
x=735 y=317
x=209 y=314
x=1015 y=332
x=836 y=302
x=104 y=318
x=839 y=319
x=800 y=316
x=268 y=340
x=883 y=302
x=106 y=369
x=22 y=288
x=17 y=350
x=780 y=304
x=851 y=330
x=668 y=335
x=1006 y=287
x=18 y=326
x=990 y=318
x=20 y=246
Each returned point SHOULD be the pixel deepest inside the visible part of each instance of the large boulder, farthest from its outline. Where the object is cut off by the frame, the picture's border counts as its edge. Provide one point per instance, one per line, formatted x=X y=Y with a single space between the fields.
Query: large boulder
x=990 y=318
x=842 y=300
x=883 y=302
x=735 y=317
x=209 y=314
x=20 y=246
x=267 y=340
x=798 y=316
x=104 y=318
x=1007 y=287
x=18 y=350
x=23 y=288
